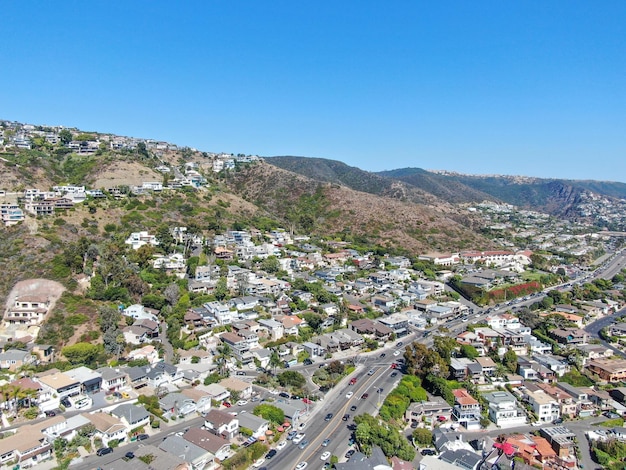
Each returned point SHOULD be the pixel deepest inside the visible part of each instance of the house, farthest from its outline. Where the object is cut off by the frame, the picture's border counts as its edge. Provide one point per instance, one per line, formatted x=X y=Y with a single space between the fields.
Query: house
x=608 y=369
x=177 y=404
x=113 y=379
x=28 y=310
x=27 y=447
x=163 y=373
x=147 y=352
x=466 y=410
x=256 y=424
x=13 y=359
x=544 y=406
x=216 y=445
x=215 y=391
x=232 y=384
x=139 y=312
x=428 y=410
x=201 y=398
x=137 y=376
x=90 y=380
x=195 y=455
x=108 y=427
x=397 y=322
x=138 y=239
x=504 y=410
x=275 y=329
x=570 y=336
x=221 y=423
x=132 y=415
x=371 y=328
x=59 y=384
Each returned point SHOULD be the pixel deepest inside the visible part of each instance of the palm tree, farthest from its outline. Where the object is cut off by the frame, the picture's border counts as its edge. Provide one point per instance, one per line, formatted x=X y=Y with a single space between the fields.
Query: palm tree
x=224 y=353
x=274 y=360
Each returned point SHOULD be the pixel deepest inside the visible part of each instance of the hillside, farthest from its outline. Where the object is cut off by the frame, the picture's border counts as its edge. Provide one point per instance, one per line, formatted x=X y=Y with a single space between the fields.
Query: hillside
x=331 y=209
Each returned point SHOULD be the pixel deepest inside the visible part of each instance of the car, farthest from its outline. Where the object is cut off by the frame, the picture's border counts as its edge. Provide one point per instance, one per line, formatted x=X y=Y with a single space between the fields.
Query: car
x=307 y=362
x=399 y=344
x=258 y=463
x=291 y=435
x=142 y=437
x=328 y=417
x=226 y=404
x=298 y=438
x=281 y=445
x=346 y=417
x=350 y=453
x=558 y=421
x=441 y=419
x=325 y=456
x=125 y=395
x=66 y=402
x=303 y=444
x=353 y=408
x=397 y=352
x=50 y=413
x=536 y=424
x=393 y=374
x=254 y=399
x=104 y=451
x=352 y=380
x=364 y=396
x=301 y=466
x=301 y=426
x=284 y=395
x=271 y=454
x=383 y=355
x=325 y=442
x=349 y=394
x=242 y=402
x=307 y=401
x=129 y=455
x=371 y=372
x=240 y=372
x=428 y=452
x=117 y=394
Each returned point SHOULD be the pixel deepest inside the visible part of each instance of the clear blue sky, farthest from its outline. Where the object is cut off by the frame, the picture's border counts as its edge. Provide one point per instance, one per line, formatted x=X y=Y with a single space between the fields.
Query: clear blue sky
x=534 y=88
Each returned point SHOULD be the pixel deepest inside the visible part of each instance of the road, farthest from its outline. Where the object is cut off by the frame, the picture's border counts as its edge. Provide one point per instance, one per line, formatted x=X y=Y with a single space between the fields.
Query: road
x=336 y=402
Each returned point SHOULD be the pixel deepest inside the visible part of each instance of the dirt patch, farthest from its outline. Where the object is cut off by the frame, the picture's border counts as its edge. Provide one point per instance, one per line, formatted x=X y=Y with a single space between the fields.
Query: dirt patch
x=39 y=287
x=125 y=174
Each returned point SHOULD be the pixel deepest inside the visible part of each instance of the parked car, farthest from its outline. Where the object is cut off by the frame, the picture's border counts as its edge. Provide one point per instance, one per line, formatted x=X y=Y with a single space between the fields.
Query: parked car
x=283 y=395
x=104 y=451
x=399 y=343
x=281 y=445
x=66 y=402
x=271 y=454
x=428 y=452
x=142 y=437
x=350 y=453
x=291 y=435
x=129 y=455
x=307 y=362
x=301 y=426
x=242 y=402
x=393 y=374
x=414 y=424
x=397 y=352
x=558 y=421
x=258 y=463
x=382 y=355
x=50 y=413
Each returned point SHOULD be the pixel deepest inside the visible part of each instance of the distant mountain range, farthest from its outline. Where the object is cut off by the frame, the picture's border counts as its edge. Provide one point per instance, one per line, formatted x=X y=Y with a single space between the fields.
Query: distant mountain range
x=553 y=196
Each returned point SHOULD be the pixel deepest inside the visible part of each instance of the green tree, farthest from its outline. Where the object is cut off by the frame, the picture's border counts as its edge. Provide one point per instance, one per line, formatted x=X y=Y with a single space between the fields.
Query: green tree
x=80 y=353
x=509 y=360
x=291 y=378
x=65 y=136
x=270 y=412
x=469 y=351
x=422 y=437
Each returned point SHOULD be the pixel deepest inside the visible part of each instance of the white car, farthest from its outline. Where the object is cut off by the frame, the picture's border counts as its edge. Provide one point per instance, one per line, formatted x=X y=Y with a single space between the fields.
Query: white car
x=301 y=466
x=242 y=402
x=349 y=394
x=281 y=445
x=397 y=353
x=298 y=438
x=258 y=463
x=325 y=456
